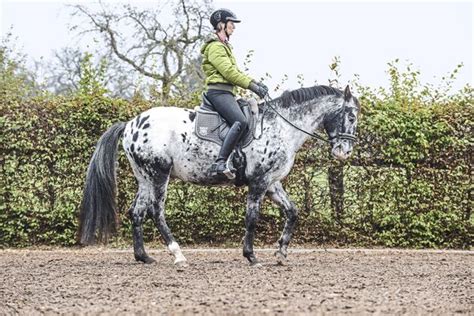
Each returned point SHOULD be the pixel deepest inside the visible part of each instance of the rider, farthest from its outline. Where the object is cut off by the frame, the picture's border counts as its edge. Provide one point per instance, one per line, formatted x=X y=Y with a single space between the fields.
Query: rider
x=222 y=79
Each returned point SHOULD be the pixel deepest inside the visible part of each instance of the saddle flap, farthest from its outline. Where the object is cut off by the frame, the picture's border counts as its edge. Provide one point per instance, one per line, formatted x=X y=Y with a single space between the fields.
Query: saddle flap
x=209 y=125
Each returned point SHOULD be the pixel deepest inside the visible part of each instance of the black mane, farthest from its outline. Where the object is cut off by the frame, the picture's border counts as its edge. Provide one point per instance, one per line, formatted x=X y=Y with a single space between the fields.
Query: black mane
x=304 y=94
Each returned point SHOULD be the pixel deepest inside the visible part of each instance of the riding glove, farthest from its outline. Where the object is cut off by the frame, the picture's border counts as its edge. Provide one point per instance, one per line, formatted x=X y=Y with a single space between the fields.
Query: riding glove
x=258 y=88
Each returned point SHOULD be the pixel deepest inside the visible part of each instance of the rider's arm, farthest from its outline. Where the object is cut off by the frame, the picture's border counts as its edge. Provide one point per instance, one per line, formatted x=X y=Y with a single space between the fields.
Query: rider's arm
x=219 y=58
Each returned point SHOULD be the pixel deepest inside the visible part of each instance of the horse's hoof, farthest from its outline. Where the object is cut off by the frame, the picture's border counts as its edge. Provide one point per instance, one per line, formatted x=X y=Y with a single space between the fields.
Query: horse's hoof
x=181 y=264
x=255 y=264
x=148 y=260
x=281 y=258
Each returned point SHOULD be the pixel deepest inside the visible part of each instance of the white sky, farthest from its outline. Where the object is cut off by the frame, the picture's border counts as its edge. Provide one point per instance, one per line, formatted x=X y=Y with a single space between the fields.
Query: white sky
x=302 y=37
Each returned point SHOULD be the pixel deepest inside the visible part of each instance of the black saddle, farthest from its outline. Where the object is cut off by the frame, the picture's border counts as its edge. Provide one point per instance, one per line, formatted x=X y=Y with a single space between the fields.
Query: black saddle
x=211 y=126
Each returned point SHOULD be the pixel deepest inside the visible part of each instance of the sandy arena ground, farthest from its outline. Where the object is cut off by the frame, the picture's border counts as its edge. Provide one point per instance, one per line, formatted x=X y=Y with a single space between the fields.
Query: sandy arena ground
x=219 y=281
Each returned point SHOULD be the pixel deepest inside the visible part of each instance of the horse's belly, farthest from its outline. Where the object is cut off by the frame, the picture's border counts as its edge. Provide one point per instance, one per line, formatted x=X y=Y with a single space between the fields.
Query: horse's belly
x=192 y=159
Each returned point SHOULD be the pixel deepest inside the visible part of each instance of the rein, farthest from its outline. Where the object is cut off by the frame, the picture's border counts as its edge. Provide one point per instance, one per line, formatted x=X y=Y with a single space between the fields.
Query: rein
x=268 y=100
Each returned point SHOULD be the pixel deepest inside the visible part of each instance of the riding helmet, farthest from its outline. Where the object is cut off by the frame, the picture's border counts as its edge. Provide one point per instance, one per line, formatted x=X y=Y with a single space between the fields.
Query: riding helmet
x=223 y=15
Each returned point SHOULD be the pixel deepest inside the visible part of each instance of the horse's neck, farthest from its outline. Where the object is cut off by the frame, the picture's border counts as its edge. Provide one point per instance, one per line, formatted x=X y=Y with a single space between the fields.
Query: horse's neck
x=308 y=116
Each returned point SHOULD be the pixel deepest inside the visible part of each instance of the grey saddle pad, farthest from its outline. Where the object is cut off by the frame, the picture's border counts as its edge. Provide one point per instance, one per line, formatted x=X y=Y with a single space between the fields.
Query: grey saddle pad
x=212 y=127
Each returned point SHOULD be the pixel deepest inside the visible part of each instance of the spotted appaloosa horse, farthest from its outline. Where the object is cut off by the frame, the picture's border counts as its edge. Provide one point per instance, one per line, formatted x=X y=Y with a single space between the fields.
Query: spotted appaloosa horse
x=161 y=144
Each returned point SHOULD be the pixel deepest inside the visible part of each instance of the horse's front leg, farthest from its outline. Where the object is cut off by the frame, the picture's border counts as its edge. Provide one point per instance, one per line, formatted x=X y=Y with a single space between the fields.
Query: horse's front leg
x=254 y=201
x=278 y=195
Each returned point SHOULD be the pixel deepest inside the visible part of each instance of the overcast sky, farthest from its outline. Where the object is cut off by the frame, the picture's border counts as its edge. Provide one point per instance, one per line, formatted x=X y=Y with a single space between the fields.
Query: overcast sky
x=302 y=37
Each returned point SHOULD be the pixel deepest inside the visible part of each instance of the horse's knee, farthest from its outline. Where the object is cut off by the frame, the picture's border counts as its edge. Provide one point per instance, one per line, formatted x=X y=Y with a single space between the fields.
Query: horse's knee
x=292 y=213
x=251 y=221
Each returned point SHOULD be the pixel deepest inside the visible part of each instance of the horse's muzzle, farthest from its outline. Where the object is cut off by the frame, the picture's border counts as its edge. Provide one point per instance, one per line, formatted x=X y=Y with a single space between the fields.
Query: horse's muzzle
x=342 y=149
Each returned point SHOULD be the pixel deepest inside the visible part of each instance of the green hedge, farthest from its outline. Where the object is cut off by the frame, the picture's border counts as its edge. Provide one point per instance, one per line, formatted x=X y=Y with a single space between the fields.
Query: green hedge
x=407 y=185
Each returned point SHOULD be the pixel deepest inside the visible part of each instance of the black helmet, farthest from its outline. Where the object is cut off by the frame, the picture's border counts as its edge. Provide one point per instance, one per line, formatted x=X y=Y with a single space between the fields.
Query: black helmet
x=223 y=15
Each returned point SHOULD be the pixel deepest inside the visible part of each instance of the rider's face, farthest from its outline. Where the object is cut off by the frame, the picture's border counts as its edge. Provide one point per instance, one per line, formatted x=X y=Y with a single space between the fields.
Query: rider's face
x=230 y=27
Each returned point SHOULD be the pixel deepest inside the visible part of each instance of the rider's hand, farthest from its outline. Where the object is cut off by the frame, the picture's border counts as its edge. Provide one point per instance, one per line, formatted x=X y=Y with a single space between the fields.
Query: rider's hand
x=259 y=89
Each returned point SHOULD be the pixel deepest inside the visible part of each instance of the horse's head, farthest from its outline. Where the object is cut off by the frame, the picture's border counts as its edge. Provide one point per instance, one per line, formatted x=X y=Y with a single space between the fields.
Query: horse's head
x=341 y=125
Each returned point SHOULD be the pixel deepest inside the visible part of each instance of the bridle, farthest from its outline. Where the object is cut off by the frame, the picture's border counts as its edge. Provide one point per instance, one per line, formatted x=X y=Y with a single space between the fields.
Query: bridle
x=338 y=136
x=343 y=136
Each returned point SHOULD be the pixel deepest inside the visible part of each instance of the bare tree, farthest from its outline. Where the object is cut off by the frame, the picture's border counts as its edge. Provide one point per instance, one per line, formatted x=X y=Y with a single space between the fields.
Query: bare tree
x=63 y=73
x=154 y=49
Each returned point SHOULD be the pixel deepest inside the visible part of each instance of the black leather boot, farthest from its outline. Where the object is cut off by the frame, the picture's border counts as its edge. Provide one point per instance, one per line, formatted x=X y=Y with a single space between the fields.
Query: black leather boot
x=221 y=165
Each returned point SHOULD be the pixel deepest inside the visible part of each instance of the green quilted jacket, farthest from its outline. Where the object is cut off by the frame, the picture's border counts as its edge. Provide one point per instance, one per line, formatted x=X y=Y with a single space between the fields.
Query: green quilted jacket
x=219 y=65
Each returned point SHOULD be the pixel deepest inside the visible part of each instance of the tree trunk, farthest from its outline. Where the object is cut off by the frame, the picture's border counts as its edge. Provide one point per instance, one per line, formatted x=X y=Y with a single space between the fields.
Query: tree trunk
x=336 y=189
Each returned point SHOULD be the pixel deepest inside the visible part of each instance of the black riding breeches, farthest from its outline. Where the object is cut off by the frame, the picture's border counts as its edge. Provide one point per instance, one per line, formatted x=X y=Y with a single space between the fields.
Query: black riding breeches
x=225 y=104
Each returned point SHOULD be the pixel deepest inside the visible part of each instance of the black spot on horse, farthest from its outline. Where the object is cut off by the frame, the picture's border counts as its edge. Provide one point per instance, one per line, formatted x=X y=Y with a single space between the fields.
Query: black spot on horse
x=184 y=137
x=268 y=141
x=192 y=116
x=145 y=140
x=135 y=136
x=164 y=145
x=146 y=125
x=184 y=122
x=139 y=148
x=137 y=121
x=160 y=168
x=270 y=154
x=145 y=135
x=265 y=151
x=143 y=120
x=132 y=148
x=139 y=161
x=263 y=159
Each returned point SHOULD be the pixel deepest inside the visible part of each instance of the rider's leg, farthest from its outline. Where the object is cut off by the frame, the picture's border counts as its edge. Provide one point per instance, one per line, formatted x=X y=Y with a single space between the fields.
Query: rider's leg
x=224 y=102
x=230 y=141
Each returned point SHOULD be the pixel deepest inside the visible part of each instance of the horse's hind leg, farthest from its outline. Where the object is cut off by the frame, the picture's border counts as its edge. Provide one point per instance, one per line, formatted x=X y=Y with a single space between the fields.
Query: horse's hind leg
x=158 y=215
x=137 y=214
x=254 y=201
x=278 y=195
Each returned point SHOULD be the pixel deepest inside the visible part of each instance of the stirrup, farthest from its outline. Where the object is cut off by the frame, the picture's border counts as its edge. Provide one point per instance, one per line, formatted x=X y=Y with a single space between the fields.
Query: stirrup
x=228 y=170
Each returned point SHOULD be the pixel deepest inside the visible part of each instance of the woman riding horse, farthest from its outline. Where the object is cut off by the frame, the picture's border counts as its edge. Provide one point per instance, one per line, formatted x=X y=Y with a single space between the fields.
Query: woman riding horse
x=222 y=79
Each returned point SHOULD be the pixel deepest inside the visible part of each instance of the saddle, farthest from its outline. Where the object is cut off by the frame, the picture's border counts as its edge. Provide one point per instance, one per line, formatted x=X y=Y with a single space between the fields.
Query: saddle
x=210 y=126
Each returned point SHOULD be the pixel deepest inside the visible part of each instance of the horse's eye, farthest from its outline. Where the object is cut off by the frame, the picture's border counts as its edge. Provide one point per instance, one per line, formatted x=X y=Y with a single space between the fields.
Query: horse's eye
x=352 y=118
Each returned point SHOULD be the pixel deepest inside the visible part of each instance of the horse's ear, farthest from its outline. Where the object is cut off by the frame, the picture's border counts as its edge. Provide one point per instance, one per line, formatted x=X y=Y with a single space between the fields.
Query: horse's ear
x=347 y=94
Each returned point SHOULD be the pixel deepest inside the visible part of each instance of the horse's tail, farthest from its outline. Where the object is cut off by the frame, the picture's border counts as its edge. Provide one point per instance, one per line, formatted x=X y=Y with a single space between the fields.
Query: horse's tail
x=98 y=208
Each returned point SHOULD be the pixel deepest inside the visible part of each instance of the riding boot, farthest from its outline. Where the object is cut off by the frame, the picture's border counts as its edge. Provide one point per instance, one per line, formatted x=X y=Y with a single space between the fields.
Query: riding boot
x=221 y=165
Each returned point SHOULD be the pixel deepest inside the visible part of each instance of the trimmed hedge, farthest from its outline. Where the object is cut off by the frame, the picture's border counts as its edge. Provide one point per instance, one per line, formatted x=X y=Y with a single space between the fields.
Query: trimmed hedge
x=407 y=185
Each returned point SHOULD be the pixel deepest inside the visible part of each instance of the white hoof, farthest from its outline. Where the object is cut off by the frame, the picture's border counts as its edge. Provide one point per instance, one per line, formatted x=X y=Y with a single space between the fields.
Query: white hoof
x=181 y=263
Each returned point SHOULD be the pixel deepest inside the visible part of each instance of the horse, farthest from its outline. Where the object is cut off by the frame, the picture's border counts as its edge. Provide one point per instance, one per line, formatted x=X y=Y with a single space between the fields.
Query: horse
x=161 y=144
